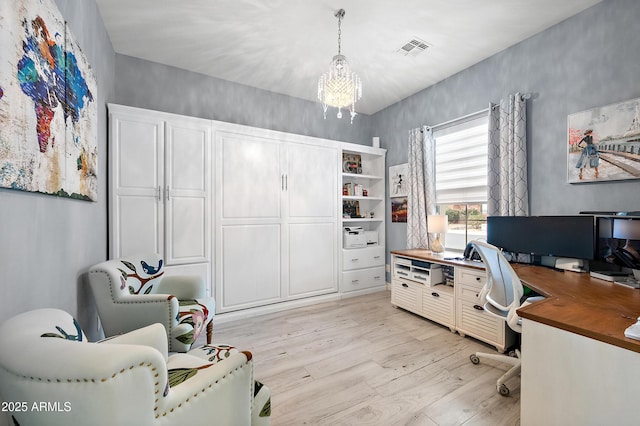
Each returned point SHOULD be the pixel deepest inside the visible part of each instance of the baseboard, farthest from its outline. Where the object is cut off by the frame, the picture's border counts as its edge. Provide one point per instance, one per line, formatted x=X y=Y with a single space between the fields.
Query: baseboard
x=291 y=304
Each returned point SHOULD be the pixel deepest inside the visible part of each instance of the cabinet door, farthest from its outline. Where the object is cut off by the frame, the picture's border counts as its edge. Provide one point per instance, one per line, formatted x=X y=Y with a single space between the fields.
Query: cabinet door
x=313 y=267
x=251 y=176
x=311 y=179
x=250 y=268
x=136 y=158
x=310 y=200
x=187 y=199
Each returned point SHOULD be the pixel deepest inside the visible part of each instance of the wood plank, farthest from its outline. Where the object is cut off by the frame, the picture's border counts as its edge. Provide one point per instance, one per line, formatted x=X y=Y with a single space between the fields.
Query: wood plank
x=361 y=361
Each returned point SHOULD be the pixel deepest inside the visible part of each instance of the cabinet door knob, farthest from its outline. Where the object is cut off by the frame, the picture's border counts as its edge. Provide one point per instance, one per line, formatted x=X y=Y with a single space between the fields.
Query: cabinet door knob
x=405 y=285
x=434 y=294
x=478 y=307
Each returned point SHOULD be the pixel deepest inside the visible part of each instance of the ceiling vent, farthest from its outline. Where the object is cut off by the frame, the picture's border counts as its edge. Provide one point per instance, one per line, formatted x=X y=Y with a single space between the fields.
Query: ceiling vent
x=413 y=47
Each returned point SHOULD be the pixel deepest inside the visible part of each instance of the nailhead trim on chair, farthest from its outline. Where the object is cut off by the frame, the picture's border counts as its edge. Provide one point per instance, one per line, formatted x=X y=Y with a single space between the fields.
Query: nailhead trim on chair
x=86 y=380
x=195 y=395
x=166 y=304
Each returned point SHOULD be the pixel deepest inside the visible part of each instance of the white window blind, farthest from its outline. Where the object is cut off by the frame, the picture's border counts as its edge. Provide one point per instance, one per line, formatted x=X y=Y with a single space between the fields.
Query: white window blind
x=461 y=162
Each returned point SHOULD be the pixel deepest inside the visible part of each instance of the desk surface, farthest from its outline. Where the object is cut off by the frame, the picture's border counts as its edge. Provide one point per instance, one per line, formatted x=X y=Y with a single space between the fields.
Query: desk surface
x=574 y=302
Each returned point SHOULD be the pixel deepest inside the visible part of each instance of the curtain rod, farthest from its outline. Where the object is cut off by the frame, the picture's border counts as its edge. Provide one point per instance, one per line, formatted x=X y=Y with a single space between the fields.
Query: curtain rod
x=524 y=96
x=455 y=120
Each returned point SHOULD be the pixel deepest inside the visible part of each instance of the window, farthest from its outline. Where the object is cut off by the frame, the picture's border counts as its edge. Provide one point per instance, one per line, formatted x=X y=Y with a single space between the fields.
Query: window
x=461 y=153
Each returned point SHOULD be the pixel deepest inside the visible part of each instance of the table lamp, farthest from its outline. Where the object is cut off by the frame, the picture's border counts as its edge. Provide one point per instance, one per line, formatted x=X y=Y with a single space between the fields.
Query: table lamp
x=437 y=224
x=627 y=229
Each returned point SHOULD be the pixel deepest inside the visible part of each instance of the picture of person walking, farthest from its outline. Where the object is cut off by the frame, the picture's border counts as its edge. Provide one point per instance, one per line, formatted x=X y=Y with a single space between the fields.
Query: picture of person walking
x=589 y=156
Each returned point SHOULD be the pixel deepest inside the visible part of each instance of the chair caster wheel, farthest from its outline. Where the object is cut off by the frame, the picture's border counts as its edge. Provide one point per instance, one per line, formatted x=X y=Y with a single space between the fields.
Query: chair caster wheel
x=504 y=390
x=475 y=360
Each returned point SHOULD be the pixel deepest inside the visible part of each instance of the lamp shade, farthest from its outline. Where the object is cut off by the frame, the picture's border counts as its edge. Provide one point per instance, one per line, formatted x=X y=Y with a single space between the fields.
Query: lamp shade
x=628 y=229
x=437 y=224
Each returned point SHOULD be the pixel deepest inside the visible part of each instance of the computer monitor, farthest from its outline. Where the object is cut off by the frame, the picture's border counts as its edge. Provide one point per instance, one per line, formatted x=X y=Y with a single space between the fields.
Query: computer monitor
x=558 y=236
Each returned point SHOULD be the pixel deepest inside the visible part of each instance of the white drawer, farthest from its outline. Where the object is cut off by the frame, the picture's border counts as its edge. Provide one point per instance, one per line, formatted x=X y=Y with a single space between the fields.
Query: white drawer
x=363 y=278
x=437 y=305
x=470 y=278
x=362 y=258
x=407 y=295
x=473 y=320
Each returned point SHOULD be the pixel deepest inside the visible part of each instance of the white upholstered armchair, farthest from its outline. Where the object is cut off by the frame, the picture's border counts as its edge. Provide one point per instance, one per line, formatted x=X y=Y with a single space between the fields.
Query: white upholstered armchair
x=52 y=376
x=133 y=292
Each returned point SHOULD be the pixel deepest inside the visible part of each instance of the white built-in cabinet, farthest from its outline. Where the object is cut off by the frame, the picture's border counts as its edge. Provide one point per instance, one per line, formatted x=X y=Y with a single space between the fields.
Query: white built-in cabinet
x=160 y=188
x=257 y=213
x=363 y=269
x=276 y=217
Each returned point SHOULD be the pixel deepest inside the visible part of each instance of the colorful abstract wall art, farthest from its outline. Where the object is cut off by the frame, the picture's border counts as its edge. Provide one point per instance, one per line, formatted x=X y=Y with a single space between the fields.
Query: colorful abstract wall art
x=604 y=143
x=48 y=111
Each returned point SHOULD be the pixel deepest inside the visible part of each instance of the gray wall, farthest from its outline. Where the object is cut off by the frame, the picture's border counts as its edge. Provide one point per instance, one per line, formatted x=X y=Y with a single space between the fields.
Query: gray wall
x=48 y=243
x=160 y=87
x=589 y=60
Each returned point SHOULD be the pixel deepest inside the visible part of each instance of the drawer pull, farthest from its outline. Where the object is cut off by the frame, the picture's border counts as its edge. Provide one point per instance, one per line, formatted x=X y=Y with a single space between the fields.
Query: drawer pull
x=478 y=307
x=402 y=273
x=418 y=277
x=354 y=281
x=434 y=294
x=354 y=260
x=376 y=257
x=478 y=278
x=405 y=285
x=377 y=277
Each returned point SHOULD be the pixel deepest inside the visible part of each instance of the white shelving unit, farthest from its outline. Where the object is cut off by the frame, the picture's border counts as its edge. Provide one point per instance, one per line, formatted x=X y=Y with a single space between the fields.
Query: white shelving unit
x=363 y=268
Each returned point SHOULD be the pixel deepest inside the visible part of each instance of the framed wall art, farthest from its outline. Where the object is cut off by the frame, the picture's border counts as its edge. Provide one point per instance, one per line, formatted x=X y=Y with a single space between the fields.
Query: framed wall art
x=48 y=106
x=603 y=144
x=398 y=180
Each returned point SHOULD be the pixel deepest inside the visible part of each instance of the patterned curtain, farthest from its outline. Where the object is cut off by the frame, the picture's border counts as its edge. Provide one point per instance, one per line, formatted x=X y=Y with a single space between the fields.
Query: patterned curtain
x=507 y=180
x=422 y=187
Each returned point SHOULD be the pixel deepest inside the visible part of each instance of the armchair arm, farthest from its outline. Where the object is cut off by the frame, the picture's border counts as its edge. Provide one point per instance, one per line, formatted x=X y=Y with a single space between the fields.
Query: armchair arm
x=154 y=336
x=224 y=388
x=131 y=312
x=182 y=286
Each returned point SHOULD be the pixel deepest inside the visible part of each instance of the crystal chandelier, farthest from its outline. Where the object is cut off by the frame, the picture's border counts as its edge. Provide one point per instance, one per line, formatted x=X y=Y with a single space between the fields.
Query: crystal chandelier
x=339 y=87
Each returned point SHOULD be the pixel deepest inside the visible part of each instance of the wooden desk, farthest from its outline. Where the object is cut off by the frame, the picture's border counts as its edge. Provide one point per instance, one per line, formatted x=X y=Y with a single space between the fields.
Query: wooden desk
x=580 y=304
x=577 y=366
x=574 y=302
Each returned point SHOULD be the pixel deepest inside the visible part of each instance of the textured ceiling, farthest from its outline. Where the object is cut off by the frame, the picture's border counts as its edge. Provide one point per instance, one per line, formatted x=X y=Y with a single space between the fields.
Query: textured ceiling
x=284 y=45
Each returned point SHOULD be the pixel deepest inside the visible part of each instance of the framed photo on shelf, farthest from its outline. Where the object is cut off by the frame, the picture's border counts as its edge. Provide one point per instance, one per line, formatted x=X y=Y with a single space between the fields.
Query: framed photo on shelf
x=351 y=209
x=398 y=180
x=351 y=163
x=603 y=142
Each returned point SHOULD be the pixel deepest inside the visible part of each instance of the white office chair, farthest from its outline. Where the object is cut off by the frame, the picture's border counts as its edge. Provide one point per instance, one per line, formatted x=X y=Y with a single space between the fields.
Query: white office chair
x=501 y=296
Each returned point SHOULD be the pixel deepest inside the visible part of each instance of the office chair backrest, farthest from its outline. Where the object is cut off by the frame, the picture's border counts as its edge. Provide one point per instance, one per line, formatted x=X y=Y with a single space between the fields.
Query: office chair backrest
x=503 y=290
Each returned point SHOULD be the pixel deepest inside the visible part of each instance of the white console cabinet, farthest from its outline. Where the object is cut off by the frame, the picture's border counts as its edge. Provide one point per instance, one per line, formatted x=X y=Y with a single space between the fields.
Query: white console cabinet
x=417 y=286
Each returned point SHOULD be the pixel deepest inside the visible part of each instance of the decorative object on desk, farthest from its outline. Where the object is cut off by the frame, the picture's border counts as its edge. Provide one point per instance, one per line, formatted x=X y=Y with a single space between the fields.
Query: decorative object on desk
x=601 y=141
x=398 y=182
x=357 y=190
x=351 y=163
x=437 y=224
x=339 y=87
x=48 y=109
x=399 y=209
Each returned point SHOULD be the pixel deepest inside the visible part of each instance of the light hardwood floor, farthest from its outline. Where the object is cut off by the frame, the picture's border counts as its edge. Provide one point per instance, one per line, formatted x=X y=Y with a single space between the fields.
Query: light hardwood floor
x=360 y=361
